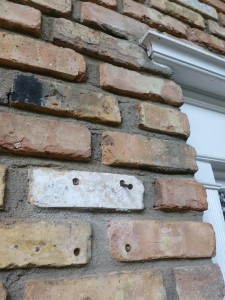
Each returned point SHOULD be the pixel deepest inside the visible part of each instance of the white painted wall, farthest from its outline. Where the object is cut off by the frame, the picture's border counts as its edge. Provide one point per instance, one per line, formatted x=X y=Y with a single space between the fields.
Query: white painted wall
x=207 y=131
x=208 y=138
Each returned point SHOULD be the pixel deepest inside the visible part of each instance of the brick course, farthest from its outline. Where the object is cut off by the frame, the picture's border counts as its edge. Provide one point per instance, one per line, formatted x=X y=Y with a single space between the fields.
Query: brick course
x=206 y=282
x=33 y=93
x=34 y=55
x=207 y=40
x=58 y=7
x=136 y=151
x=27 y=135
x=219 y=5
x=98 y=44
x=40 y=243
x=162 y=119
x=112 y=4
x=20 y=17
x=137 y=285
x=149 y=240
x=154 y=18
x=180 y=194
x=222 y=19
x=205 y=10
x=216 y=29
x=179 y=12
x=111 y=21
x=134 y=84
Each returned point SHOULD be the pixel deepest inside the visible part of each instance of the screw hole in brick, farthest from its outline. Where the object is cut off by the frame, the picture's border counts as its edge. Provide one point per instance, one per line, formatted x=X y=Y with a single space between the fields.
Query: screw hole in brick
x=128 y=247
x=75 y=181
x=76 y=251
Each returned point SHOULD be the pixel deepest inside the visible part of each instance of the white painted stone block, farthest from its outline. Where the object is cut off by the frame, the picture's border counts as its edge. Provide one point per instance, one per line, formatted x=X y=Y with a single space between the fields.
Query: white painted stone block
x=57 y=188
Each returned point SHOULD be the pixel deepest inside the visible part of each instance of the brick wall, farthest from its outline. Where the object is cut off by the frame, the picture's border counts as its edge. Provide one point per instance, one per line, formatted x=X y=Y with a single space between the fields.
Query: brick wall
x=97 y=194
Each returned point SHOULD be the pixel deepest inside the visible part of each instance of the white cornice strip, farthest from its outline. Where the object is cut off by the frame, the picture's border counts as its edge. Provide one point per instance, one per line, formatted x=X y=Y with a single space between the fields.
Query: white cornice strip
x=204 y=101
x=211 y=186
x=194 y=68
x=211 y=159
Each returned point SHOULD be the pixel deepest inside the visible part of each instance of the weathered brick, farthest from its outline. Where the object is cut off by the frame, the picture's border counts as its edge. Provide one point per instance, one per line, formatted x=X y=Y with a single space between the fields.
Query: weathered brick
x=162 y=119
x=150 y=240
x=203 y=9
x=3 y=170
x=21 y=17
x=111 y=21
x=32 y=93
x=100 y=45
x=219 y=5
x=216 y=29
x=207 y=40
x=126 y=285
x=34 y=55
x=39 y=243
x=58 y=7
x=3 y=292
x=206 y=282
x=120 y=149
x=179 y=12
x=79 y=189
x=222 y=19
x=180 y=194
x=33 y=136
x=154 y=18
x=134 y=84
x=107 y=3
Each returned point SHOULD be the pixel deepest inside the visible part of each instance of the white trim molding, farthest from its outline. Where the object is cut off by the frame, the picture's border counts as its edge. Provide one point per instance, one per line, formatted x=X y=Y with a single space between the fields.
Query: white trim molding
x=194 y=67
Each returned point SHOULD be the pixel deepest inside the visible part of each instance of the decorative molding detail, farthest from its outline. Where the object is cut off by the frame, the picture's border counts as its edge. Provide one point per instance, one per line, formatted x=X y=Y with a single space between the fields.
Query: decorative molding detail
x=204 y=101
x=194 y=68
x=211 y=186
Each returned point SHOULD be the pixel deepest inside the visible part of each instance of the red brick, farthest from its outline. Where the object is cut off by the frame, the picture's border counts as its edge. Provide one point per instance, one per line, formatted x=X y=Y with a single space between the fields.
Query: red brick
x=154 y=18
x=135 y=285
x=107 y=3
x=200 y=282
x=3 y=292
x=179 y=12
x=222 y=19
x=98 y=44
x=21 y=17
x=136 y=151
x=205 y=10
x=111 y=21
x=216 y=29
x=28 y=135
x=33 y=93
x=180 y=194
x=207 y=40
x=219 y=5
x=134 y=84
x=150 y=240
x=26 y=244
x=34 y=55
x=162 y=119
x=58 y=7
